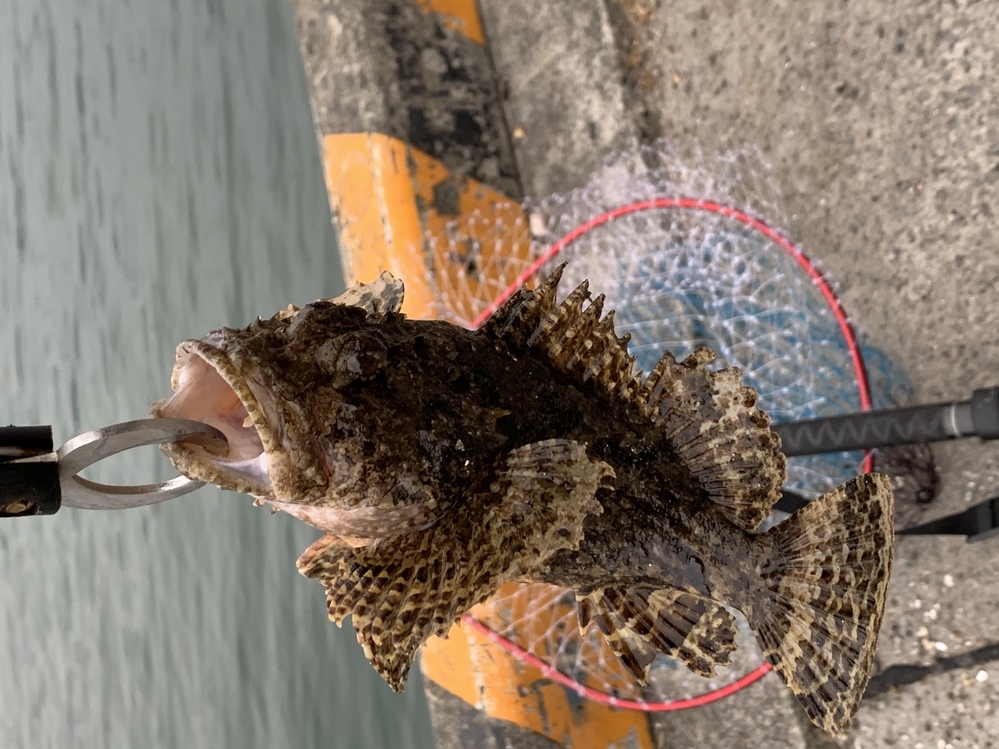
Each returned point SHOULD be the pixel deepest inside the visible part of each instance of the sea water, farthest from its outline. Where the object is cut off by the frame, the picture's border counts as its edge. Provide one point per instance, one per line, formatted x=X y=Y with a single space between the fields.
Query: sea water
x=159 y=177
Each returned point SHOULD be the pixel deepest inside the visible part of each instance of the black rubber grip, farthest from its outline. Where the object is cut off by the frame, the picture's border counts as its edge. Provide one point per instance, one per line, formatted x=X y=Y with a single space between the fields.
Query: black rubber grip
x=23 y=442
x=985 y=413
x=28 y=488
x=896 y=426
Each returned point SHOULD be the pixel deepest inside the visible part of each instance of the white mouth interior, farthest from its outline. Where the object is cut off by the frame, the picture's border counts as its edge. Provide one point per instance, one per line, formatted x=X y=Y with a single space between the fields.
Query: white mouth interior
x=203 y=395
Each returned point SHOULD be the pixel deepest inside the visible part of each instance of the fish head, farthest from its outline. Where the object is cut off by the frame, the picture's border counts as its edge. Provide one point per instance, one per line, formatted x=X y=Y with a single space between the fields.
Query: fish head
x=292 y=396
x=218 y=381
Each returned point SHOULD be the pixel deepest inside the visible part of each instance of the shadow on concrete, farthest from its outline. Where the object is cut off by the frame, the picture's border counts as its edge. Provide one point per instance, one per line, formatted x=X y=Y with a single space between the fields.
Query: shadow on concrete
x=901 y=675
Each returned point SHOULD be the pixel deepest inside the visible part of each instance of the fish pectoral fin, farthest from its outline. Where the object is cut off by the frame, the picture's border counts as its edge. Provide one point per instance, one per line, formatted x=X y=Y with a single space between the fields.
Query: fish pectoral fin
x=399 y=592
x=641 y=623
x=542 y=493
x=824 y=597
x=711 y=420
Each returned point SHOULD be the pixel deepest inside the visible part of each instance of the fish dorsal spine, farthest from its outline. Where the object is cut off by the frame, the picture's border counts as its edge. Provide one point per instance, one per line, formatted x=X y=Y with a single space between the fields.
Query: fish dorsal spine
x=709 y=417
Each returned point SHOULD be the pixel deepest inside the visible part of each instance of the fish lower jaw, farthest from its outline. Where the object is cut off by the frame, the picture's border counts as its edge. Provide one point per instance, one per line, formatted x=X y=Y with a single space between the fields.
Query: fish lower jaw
x=203 y=393
x=249 y=476
x=253 y=471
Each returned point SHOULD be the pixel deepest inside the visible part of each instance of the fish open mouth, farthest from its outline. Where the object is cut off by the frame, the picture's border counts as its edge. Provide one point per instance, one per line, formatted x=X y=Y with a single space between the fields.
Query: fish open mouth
x=208 y=388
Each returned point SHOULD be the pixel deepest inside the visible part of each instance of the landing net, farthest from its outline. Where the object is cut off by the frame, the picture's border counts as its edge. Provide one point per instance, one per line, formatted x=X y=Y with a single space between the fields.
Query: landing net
x=687 y=254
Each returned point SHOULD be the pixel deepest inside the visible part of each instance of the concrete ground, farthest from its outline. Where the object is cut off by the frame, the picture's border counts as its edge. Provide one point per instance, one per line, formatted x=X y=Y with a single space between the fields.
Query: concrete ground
x=882 y=123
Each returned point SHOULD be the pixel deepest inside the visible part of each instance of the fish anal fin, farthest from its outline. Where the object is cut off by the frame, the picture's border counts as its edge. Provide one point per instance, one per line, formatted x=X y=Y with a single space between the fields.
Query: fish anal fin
x=641 y=623
x=824 y=597
x=711 y=420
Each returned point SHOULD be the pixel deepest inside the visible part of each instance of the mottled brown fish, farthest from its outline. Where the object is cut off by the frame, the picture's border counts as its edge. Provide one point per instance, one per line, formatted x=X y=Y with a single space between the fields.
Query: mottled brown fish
x=443 y=462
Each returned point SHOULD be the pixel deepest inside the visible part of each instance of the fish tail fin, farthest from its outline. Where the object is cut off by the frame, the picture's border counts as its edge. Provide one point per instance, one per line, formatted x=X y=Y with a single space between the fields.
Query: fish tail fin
x=824 y=597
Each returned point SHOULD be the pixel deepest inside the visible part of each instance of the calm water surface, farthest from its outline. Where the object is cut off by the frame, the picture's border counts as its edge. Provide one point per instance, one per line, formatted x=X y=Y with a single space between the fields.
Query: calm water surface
x=159 y=178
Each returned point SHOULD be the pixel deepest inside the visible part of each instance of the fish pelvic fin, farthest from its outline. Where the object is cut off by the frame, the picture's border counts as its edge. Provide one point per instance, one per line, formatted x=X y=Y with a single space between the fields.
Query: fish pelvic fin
x=402 y=590
x=824 y=599
x=399 y=592
x=640 y=623
x=710 y=418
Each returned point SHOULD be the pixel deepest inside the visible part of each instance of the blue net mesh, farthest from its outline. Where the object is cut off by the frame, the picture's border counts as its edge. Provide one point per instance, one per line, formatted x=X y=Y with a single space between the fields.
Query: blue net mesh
x=748 y=300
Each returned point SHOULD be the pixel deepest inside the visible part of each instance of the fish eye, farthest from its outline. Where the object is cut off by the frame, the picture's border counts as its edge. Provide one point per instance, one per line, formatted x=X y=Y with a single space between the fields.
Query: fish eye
x=353 y=357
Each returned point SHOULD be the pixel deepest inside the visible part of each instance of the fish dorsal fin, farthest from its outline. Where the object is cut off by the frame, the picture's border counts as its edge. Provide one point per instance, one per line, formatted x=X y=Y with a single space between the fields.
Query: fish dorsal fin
x=573 y=337
x=641 y=623
x=709 y=417
x=403 y=589
x=520 y=315
x=378 y=297
x=723 y=439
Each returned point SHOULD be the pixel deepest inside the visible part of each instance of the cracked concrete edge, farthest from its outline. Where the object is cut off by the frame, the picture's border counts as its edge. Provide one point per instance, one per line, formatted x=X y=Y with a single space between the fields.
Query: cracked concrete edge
x=568 y=107
x=758 y=715
x=458 y=725
x=391 y=67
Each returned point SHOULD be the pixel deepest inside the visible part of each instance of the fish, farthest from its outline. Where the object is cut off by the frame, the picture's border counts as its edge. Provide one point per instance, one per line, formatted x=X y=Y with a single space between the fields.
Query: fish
x=441 y=463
